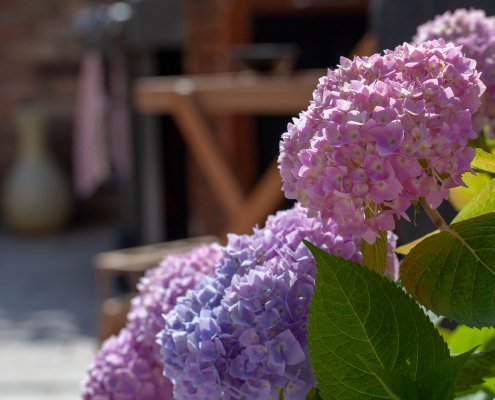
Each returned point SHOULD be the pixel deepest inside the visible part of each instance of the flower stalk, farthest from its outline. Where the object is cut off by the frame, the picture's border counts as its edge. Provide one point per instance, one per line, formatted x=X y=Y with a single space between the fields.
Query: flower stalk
x=434 y=216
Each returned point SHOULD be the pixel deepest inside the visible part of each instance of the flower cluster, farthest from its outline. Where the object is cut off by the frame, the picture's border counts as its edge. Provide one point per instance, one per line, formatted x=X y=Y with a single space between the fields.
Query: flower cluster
x=126 y=368
x=475 y=32
x=129 y=366
x=242 y=333
x=380 y=132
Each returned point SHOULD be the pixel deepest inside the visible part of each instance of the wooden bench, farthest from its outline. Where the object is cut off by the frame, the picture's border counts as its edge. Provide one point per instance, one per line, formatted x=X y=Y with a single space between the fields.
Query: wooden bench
x=130 y=264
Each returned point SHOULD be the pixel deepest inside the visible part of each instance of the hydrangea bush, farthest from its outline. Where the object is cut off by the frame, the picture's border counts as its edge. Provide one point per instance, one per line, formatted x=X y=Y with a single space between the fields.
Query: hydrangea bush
x=290 y=311
x=475 y=32
x=241 y=334
x=382 y=132
x=129 y=365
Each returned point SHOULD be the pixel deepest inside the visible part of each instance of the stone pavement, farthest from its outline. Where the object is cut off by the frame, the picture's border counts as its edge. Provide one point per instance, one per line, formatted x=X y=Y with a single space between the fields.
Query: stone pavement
x=43 y=370
x=47 y=312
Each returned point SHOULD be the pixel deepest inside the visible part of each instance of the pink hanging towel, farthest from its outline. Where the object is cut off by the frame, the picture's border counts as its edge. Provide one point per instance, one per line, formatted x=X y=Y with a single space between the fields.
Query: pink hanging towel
x=90 y=155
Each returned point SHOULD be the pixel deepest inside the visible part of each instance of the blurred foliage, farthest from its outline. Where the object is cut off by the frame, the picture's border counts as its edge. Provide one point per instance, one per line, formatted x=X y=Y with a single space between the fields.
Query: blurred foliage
x=460 y=196
x=464 y=338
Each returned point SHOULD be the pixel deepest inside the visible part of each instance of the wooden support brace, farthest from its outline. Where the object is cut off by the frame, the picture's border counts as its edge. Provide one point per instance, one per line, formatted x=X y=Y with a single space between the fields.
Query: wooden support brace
x=199 y=138
x=262 y=201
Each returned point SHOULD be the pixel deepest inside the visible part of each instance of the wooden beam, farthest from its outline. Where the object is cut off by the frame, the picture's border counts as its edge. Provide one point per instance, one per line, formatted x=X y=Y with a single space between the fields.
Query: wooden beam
x=197 y=134
x=228 y=94
x=262 y=201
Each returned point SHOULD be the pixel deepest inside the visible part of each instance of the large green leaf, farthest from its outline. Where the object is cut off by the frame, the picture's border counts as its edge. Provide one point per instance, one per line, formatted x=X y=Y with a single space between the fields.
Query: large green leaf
x=439 y=383
x=453 y=273
x=484 y=161
x=397 y=386
x=358 y=315
x=375 y=255
x=482 y=203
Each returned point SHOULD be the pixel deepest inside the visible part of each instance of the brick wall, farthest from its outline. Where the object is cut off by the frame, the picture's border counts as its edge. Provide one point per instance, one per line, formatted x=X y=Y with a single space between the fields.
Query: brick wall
x=212 y=28
x=39 y=52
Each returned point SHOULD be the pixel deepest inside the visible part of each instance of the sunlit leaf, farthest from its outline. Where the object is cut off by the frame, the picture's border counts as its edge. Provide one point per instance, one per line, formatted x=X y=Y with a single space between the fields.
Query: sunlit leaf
x=464 y=338
x=479 y=371
x=375 y=255
x=484 y=161
x=406 y=248
x=461 y=195
x=483 y=203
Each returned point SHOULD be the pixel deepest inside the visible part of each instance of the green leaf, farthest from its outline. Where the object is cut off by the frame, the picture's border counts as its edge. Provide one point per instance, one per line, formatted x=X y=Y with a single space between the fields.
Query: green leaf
x=453 y=273
x=397 y=386
x=464 y=338
x=461 y=195
x=439 y=383
x=313 y=394
x=484 y=161
x=478 y=368
x=356 y=313
x=375 y=255
x=482 y=203
x=479 y=371
x=406 y=248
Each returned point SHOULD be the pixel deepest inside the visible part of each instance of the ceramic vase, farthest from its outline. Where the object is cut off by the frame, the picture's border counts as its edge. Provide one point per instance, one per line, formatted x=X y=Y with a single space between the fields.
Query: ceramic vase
x=36 y=197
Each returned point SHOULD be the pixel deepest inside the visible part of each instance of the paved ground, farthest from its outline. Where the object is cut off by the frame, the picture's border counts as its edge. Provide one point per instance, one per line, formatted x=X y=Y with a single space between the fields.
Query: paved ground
x=47 y=312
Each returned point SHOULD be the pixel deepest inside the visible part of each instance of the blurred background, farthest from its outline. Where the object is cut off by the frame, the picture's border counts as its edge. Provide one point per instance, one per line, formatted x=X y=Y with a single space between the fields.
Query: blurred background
x=131 y=129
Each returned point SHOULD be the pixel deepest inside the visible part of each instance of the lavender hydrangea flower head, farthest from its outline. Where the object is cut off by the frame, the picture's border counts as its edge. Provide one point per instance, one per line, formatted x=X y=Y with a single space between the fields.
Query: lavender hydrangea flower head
x=380 y=132
x=129 y=365
x=475 y=32
x=241 y=334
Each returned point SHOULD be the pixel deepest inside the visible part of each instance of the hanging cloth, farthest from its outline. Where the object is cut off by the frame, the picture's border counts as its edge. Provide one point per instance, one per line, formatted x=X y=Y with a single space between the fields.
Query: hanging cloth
x=90 y=155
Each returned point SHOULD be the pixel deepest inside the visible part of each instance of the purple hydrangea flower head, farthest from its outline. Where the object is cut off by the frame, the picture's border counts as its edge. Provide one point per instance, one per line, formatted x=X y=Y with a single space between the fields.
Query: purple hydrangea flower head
x=475 y=32
x=241 y=334
x=129 y=365
x=126 y=368
x=380 y=132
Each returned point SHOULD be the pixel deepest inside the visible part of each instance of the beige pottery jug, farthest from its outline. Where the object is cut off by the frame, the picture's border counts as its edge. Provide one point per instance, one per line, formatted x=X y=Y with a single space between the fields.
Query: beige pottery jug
x=36 y=197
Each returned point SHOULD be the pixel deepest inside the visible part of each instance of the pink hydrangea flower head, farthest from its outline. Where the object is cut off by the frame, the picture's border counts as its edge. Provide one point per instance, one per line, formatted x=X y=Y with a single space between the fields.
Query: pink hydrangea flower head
x=241 y=334
x=475 y=32
x=381 y=132
x=126 y=368
x=129 y=366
